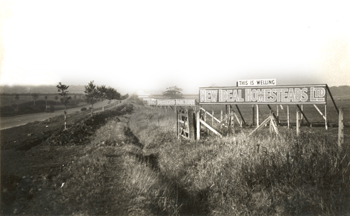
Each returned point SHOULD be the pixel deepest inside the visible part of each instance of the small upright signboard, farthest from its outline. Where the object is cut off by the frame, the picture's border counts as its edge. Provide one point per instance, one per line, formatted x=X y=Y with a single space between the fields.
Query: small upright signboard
x=257 y=82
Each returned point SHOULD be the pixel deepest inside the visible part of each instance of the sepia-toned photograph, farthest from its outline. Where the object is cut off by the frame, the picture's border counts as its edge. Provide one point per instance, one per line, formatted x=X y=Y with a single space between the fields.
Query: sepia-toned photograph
x=155 y=107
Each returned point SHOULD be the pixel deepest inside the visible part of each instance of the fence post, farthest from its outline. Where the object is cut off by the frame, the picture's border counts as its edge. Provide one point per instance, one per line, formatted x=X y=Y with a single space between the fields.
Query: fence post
x=212 y=118
x=253 y=117
x=278 y=118
x=340 y=128
x=298 y=123
x=231 y=125
x=205 y=119
x=325 y=119
x=177 y=125
x=220 y=115
x=198 y=126
x=191 y=122
x=301 y=116
x=257 y=115
x=288 y=119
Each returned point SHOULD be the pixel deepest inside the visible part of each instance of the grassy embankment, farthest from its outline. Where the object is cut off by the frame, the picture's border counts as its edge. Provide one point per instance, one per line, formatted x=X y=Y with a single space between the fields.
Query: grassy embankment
x=135 y=165
x=259 y=175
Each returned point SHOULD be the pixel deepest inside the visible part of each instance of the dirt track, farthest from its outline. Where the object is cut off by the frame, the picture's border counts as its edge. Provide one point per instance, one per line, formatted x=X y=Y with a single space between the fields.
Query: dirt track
x=34 y=154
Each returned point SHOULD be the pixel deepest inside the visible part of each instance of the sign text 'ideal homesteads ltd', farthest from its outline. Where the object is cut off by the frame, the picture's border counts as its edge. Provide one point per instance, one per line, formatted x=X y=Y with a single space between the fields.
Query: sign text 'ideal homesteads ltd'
x=310 y=94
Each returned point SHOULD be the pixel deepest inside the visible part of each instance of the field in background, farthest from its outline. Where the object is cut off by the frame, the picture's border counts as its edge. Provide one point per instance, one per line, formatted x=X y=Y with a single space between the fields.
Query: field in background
x=9 y=99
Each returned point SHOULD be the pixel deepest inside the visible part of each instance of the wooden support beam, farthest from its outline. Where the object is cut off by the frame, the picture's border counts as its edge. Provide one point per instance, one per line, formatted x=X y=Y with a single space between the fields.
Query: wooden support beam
x=325 y=120
x=212 y=118
x=288 y=117
x=341 y=128
x=261 y=125
x=177 y=125
x=298 y=123
x=253 y=115
x=330 y=94
x=191 y=124
x=319 y=111
x=238 y=120
x=239 y=111
x=274 y=126
x=273 y=114
x=257 y=115
x=303 y=115
x=210 y=128
x=198 y=125
x=210 y=115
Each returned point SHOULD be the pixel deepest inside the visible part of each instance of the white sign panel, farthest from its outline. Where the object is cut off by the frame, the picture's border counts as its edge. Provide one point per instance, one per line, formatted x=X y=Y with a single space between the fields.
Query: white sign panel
x=306 y=94
x=257 y=82
x=176 y=102
x=165 y=102
x=185 y=102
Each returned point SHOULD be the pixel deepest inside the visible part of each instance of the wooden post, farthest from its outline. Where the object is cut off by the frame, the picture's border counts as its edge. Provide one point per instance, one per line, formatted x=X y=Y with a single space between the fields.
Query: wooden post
x=288 y=120
x=239 y=111
x=325 y=119
x=340 y=128
x=198 y=125
x=220 y=115
x=205 y=119
x=231 y=125
x=278 y=118
x=191 y=123
x=301 y=116
x=270 y=128
x=257 y=115
x=177 y=125
x=212 y=118
x=298 y=123
x=253 y=115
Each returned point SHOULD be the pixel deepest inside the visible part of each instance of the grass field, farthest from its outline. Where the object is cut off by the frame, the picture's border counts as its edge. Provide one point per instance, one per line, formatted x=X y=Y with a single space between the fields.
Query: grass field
x=130 y=162
x=9 y=99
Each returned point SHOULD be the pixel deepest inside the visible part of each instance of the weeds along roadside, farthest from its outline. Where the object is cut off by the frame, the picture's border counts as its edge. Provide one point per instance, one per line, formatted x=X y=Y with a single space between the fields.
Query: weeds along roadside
x=249 y=175
x=40 y=194
x=106 y=178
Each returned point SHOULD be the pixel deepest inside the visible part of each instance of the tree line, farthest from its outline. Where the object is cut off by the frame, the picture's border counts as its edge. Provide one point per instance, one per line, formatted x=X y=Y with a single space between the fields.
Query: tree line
x=93 y=94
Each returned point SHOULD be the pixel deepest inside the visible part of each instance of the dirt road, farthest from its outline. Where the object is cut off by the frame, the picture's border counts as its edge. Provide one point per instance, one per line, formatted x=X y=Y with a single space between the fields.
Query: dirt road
x=14 y=121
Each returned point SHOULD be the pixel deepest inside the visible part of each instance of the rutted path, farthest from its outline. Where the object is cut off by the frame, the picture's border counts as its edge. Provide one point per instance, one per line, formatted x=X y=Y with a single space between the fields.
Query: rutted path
x=108 y=174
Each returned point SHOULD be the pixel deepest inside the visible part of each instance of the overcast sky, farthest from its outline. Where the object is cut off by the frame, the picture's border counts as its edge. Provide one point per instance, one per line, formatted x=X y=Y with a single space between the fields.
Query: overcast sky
x=152 y=45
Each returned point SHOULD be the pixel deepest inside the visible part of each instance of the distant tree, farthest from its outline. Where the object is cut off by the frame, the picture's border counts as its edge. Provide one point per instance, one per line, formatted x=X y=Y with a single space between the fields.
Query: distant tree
x=91 y=94
x=112 y=94
x=124 y=97
x=173 y=92
x=17 y=99
x=35 y=96
x=16 y=105
x=63 y=92
x=102 y=92
x=46 y=100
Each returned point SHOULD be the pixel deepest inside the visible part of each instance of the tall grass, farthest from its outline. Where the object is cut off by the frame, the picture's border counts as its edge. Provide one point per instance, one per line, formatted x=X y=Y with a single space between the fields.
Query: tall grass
x=259 y=175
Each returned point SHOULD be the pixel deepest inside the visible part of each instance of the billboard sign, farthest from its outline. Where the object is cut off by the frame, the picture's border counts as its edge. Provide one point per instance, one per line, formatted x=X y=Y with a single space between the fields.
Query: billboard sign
x=306 y=94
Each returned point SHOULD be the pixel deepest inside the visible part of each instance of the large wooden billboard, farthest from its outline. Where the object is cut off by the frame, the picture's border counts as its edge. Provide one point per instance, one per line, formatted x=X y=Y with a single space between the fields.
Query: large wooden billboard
x=303 y=94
